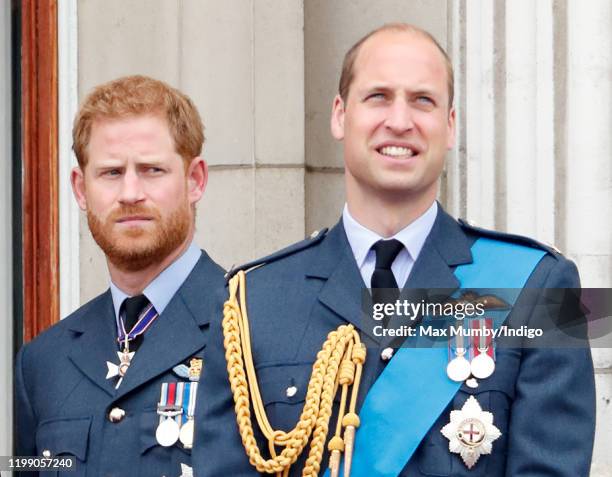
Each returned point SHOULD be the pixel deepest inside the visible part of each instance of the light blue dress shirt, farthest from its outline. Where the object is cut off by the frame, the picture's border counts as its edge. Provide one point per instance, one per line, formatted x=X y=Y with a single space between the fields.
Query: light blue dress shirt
x=412 y=237
x=161 y=290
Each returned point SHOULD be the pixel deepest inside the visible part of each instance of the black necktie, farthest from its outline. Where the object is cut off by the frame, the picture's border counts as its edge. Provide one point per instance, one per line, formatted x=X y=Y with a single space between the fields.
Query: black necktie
x=384 y=285
x=133 y=308
x=386 y=252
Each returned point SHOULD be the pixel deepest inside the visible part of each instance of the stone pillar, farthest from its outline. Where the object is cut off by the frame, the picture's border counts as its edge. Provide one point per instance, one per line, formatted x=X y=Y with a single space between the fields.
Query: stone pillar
x=587 y=202
x=533 y=83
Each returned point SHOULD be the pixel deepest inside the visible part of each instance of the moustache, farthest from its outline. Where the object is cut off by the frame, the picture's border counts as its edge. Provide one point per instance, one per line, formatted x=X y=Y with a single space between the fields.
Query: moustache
x=130 y=211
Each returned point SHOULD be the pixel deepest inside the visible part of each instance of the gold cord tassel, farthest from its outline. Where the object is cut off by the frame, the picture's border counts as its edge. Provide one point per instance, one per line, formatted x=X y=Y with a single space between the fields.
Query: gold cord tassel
x=339 y=363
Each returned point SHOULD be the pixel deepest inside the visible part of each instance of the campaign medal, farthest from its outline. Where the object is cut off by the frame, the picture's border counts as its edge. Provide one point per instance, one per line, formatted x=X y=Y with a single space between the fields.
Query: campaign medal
x=189 y=400
x=483 y=364
x=471 y=432
x=458 y=367
x=167 y=432
x=170 y=410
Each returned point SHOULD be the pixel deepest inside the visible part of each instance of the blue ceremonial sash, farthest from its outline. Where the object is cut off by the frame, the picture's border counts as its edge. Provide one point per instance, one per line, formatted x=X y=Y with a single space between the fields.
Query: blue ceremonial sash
x=391 y=430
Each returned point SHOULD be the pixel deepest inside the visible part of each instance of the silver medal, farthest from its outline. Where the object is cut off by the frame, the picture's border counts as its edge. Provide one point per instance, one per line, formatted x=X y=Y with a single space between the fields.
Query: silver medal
x=458 y=369
x=167 y=432
x=483 y=366
x=186 y=435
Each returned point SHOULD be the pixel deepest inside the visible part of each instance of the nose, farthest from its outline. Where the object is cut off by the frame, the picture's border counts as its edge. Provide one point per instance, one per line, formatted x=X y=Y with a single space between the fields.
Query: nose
x=400 y=117
x=132 y=190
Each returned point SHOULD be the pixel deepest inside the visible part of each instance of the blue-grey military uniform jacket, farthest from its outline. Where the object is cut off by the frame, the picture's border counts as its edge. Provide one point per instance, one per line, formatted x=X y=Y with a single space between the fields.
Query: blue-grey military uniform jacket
x=543 y=400
x=63 y=398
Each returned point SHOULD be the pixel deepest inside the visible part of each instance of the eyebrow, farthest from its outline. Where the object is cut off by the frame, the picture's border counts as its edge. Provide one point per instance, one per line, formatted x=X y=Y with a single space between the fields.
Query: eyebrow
x=384 y=87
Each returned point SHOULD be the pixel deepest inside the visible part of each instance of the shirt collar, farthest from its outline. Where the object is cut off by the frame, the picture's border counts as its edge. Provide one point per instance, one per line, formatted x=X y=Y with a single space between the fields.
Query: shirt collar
x=412 y=236
x=161 y=290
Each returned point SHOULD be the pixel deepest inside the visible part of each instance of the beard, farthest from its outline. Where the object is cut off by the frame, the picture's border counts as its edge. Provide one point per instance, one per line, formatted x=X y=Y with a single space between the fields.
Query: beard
x=135 y=248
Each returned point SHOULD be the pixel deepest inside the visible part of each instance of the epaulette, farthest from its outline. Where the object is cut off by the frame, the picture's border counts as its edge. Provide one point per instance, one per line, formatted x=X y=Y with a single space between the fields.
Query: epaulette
x=520 y=239
x=313 y=239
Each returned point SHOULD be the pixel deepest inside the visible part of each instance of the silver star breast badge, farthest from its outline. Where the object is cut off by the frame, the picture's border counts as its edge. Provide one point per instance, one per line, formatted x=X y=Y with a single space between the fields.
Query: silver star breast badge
x=471 y=432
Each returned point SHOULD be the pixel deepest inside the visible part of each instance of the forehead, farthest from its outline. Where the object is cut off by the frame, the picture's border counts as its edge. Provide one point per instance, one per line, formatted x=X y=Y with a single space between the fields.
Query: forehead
x=392 y=56
x=143 y=133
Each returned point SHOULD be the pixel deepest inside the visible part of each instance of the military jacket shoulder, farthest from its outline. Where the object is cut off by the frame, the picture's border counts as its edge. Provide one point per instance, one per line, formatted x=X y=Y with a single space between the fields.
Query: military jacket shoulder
x=473 y=229
x=314 y=239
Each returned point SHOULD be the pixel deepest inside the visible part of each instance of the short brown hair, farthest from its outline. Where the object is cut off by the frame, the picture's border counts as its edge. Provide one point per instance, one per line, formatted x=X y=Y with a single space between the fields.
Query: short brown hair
x=137 y=95
x=348 y=73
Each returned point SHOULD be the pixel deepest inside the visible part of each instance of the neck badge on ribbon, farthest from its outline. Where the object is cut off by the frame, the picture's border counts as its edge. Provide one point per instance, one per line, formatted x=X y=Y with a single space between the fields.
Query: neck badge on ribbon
x=146 y=318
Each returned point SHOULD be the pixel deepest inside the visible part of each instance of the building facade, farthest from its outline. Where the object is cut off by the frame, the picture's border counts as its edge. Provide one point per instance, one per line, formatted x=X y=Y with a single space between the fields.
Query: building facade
x=533 y=97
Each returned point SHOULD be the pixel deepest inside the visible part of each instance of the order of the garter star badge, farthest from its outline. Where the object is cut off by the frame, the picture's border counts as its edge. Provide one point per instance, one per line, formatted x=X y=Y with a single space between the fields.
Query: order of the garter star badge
x=471 y=432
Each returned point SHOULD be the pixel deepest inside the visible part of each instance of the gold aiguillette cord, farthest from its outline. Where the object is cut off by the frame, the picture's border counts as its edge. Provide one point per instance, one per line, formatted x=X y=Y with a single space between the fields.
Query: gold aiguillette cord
x=339 y=363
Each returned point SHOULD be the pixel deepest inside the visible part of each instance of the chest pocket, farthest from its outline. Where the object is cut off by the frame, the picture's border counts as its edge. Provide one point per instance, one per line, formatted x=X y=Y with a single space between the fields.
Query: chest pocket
x=495 y=395
x=283 y=390
x=65 y=437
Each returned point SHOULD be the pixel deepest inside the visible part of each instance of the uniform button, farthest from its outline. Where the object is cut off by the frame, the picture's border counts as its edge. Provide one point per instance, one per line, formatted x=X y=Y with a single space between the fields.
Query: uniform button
x=386 y=354
x=116 y=414
x=291 y=391
x=314 y=235
x=46 y=453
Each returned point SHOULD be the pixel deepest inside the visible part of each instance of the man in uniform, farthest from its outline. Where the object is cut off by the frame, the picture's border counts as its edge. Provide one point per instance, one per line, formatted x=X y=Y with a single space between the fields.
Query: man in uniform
x=529 y=412
x=114 y=384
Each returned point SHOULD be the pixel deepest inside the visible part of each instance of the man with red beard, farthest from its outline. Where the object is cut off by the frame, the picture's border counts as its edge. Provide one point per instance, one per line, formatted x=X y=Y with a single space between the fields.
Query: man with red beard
x=114 y=384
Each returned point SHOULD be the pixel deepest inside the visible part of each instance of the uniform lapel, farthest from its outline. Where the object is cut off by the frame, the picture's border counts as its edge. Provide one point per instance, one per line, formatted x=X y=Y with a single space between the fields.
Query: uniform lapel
x=176 y=334
x=446 y=247
x=95 y=343
x=343 y=288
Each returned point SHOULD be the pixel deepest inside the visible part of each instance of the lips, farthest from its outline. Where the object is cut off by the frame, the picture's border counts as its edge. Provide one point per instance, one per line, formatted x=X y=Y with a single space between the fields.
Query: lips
x=134 y=218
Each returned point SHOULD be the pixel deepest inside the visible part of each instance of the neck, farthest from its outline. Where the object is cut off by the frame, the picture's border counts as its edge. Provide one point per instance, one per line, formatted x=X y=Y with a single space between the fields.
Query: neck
x=387 y=215
x=134 y=282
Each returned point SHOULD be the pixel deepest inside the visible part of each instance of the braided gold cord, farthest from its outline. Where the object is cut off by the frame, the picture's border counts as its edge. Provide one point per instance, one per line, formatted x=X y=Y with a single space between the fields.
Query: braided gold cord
x=338 y=363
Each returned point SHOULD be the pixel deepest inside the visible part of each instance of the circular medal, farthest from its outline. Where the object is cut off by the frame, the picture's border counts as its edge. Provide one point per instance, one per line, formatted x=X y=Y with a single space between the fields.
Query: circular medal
x=483 y=366
x=458 y=369
x=186 y=435
x=471 y=432
x=167 y=432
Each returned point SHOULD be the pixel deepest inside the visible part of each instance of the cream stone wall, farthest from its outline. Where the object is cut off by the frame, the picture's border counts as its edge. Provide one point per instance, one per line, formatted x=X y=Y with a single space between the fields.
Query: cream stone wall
x=533 y=96
x=330 y=28
x=243 y=65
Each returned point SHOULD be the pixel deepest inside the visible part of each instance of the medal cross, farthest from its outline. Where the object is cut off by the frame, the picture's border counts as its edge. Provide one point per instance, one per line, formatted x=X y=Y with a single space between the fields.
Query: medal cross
x=471 y=433
x=120 y=369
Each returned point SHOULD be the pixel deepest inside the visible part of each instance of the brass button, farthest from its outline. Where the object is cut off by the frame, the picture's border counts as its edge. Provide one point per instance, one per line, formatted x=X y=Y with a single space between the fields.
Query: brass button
x=116 y=414
x=291 y=391
x=46 y=453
